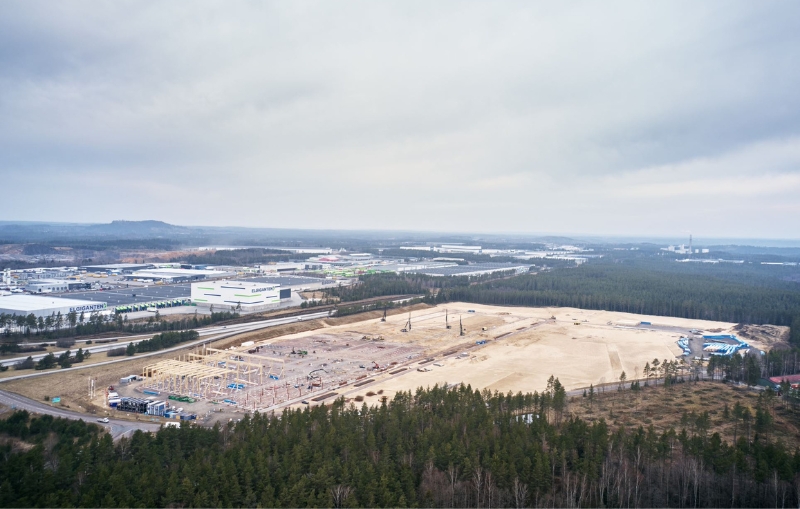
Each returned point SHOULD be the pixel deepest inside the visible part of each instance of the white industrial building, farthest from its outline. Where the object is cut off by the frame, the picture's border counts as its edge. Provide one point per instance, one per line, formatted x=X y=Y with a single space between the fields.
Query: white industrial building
x=47 y=285
x=418 y=248
x=244 y=296
x=276 y=268
x=44 y=306
x=176 y=275
x=459 y=248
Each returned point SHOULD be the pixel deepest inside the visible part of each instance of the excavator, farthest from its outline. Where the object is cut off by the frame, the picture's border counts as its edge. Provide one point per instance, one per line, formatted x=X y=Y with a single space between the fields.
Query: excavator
x=315 y=375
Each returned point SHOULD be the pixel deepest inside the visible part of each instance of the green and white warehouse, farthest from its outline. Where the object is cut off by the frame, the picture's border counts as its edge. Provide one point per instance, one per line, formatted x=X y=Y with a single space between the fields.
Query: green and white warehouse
x=44 y=306
x=244 y=296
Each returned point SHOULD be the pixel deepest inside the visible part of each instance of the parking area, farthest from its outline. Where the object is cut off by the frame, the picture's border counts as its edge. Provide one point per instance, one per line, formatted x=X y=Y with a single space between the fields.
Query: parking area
x=133 y=298
x=136 y=295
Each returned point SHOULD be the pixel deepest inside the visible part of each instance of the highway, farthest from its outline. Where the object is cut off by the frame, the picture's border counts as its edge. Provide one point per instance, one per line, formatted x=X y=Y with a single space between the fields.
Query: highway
x=205 y=333
x=117 y=427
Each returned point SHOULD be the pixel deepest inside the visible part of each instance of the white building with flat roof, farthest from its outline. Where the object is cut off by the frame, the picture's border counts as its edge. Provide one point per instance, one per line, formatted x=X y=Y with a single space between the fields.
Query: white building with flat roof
x=47 y=285
x=242 y=296
x=177 y=275
x=19 y=304
x=459 y=248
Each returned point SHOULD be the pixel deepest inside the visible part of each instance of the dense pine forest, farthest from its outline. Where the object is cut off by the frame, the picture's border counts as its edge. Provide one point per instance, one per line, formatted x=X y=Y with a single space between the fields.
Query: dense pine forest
x=732 y=293
x=438 y=447
x=247 y=256
x=635 y=290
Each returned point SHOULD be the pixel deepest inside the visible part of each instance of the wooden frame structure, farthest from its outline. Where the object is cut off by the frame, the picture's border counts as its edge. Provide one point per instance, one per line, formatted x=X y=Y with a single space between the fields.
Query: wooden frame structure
x=212 y=373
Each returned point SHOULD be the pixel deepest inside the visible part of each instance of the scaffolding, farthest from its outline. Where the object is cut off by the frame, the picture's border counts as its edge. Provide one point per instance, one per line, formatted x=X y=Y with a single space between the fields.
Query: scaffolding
x=212 y=374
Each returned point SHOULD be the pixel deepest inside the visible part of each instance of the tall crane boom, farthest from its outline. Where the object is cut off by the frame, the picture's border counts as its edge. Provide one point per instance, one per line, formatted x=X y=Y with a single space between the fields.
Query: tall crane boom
x=407 y=328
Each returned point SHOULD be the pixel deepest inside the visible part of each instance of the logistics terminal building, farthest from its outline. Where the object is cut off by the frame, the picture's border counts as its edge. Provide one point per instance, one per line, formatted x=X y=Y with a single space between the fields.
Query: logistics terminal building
x=45 y=306
x=244 y=296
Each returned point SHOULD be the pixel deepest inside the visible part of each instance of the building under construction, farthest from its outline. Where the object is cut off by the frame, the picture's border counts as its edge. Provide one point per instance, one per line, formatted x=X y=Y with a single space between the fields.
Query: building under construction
x=256 y=377
x=267 y=374
x=211 y=373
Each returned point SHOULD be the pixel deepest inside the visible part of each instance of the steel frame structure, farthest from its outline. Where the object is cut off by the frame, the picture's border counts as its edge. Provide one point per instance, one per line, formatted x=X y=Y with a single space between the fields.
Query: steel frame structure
x=208 y=373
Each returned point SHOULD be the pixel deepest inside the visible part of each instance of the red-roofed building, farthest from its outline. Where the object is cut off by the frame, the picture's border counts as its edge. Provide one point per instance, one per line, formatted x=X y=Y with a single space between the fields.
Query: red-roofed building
x=794 y=380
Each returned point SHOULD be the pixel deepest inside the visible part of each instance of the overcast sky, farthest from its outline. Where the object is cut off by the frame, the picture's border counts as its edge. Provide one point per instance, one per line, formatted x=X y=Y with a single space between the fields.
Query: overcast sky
x=652 y=118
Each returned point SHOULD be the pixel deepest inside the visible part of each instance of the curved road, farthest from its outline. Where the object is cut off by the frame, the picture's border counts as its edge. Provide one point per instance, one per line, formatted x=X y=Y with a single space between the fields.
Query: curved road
x=207 y=334
x=118 y=427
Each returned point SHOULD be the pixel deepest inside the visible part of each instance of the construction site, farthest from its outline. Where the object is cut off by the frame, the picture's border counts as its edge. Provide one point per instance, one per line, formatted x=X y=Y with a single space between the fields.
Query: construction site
x=499 y=348
x=258 y=376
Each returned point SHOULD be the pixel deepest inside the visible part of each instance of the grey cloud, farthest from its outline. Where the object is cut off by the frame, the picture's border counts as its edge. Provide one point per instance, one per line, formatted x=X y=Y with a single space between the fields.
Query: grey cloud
x=446 y=115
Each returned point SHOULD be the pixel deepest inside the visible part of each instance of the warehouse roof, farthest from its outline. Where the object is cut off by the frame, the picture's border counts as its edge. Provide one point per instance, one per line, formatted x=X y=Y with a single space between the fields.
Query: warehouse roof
x=118 y=266
x=237 y=284
x=180 y=272
x=471 y=270
x=21 y=303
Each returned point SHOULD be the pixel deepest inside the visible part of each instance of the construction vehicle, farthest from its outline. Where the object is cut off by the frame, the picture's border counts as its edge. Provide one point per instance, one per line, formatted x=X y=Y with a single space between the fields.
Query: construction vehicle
x=315 y=375
x=384 y=315
x=407 y=328
x=446 y=322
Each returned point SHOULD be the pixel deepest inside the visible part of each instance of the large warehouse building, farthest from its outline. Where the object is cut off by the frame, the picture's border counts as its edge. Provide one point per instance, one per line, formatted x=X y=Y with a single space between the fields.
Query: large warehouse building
x=176 y=275
x=245 y=296
x=19 y=304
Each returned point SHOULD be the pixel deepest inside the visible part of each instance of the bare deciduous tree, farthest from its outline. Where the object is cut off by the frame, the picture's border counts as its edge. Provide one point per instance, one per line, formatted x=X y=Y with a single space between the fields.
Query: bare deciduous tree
x=339 y=494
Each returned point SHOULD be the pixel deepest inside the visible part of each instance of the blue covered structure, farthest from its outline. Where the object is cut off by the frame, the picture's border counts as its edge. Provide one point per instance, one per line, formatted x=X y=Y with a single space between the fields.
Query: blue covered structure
x=726 y=349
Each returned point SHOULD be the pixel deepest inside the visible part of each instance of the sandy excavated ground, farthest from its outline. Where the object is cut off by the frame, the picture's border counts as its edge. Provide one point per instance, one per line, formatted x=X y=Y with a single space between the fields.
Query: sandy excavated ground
x=524 y=346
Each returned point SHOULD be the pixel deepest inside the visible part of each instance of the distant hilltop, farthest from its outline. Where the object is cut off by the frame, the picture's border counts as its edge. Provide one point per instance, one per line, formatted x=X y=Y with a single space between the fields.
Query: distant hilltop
x=150 y=227
x=38 y=232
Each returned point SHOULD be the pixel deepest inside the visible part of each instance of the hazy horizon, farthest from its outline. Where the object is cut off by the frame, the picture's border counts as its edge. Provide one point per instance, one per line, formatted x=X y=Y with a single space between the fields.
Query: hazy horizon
x=577 y=236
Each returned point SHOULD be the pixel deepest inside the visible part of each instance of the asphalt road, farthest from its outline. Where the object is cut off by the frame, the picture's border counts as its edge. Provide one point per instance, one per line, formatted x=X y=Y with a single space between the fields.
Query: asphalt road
x=206 y=335
x=118 y=428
